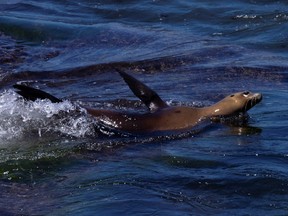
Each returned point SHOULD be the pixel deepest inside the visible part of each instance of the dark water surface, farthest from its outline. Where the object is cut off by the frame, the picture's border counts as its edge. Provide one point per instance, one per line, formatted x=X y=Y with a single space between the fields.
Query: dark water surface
x=53 y=162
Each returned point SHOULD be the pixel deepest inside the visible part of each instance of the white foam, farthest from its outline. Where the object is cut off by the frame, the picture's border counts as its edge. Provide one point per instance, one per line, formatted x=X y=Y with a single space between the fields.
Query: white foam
x=19 y=117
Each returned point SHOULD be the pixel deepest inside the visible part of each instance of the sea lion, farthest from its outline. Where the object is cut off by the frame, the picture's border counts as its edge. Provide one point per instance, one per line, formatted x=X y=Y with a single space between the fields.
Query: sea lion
x=161 y=117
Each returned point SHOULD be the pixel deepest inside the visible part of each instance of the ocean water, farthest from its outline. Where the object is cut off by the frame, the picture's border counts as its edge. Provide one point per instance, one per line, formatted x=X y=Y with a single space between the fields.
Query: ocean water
x=54 y=162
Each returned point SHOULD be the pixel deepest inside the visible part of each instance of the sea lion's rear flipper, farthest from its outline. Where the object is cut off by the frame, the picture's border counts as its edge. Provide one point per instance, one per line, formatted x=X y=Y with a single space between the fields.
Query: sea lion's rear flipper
x=149 y=97
x=33 y=94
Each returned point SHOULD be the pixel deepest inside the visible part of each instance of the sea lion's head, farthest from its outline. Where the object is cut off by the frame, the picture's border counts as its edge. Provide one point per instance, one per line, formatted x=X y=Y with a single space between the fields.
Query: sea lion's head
x=239 y=102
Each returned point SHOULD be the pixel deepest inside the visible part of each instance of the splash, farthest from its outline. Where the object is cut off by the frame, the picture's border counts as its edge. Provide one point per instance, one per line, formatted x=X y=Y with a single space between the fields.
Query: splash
x=20 y=118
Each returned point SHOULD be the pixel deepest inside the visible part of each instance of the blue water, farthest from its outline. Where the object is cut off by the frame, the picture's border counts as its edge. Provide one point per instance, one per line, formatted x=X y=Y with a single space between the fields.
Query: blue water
x=53 y=162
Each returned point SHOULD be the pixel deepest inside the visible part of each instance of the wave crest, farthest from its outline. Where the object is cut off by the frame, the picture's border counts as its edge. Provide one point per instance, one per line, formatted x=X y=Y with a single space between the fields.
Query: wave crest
x=20 y=118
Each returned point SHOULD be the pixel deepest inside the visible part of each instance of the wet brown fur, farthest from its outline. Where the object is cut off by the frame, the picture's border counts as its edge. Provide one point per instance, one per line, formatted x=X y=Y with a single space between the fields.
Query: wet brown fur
x=178 y=117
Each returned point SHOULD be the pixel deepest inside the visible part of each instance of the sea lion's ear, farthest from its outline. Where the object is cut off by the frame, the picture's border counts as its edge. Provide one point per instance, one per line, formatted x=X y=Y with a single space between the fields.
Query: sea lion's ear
x=149 y=97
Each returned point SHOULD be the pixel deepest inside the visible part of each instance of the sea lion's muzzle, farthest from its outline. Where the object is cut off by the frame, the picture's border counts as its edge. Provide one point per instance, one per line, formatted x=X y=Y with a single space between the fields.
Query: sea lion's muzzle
x=253 y=100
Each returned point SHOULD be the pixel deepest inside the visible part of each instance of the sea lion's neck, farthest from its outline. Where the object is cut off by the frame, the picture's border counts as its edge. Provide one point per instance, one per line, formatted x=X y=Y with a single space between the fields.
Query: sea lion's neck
x=217 y=109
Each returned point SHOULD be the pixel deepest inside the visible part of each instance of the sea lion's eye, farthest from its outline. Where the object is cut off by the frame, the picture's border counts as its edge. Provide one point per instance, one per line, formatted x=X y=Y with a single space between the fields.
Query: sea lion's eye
x=232 y=95
x=246 y=93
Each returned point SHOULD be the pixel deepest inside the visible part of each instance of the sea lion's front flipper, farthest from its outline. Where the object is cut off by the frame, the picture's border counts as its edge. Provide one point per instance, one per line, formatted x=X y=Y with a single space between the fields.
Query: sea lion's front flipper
x=33 y=94
x=149 y=97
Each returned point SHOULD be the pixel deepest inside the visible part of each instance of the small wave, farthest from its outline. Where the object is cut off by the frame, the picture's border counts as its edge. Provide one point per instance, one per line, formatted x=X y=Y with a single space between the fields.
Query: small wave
x=20 y=118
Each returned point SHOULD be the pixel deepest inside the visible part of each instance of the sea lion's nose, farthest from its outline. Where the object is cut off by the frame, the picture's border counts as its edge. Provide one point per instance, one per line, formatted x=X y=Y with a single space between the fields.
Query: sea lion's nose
x=258 y=96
